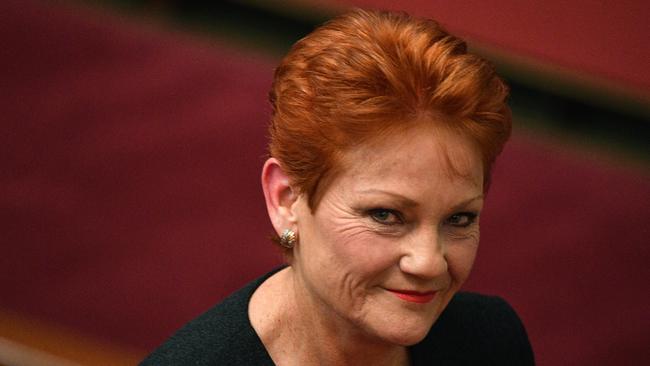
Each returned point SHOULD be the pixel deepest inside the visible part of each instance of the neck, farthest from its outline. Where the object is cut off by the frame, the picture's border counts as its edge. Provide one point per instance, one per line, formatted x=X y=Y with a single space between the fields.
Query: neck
x=302 y=330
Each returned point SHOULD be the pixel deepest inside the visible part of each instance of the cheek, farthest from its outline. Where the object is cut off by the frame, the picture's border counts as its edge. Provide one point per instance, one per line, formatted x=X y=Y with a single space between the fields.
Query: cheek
x=359 y=244
x=355 y=250
x=460 y=259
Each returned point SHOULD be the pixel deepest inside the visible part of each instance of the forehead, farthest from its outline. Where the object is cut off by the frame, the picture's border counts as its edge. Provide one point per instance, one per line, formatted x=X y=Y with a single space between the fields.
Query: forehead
x=421 y=156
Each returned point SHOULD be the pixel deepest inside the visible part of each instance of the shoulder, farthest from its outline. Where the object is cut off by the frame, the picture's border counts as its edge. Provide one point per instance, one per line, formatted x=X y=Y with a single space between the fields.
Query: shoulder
x=477 y=328
x=221 y=336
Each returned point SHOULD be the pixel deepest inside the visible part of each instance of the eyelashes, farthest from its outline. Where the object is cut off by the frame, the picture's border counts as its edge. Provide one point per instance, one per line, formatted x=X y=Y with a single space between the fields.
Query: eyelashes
x=390 y=217
x=386 y=216
x=462 y=219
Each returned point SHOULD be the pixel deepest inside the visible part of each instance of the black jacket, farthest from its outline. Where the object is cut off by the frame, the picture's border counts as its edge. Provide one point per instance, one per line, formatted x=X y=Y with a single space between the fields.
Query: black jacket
x=472 y=330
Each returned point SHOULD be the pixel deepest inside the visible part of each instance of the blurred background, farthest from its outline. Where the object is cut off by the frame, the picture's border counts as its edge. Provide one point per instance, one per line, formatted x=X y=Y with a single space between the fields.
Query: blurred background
x=133 y=134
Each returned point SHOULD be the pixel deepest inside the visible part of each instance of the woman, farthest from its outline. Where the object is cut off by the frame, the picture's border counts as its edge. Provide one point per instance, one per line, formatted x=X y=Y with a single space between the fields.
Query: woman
x=383 y=133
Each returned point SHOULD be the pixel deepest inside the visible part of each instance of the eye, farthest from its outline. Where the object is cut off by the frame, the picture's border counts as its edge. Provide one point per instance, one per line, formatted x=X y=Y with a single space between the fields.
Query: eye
x=385 y=216
x=461 y=219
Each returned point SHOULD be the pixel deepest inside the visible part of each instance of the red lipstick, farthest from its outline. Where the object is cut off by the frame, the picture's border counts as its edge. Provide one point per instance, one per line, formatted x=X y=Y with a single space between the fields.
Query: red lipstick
x=414 y=296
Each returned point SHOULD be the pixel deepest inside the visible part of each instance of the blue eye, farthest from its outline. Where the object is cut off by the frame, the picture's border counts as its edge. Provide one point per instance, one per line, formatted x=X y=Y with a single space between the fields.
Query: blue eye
x=385 y=216
x=461 y=219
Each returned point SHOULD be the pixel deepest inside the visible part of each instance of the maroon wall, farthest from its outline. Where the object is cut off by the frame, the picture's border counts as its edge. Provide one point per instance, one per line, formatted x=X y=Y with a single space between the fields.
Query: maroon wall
x=603 y=39
x=129 y=195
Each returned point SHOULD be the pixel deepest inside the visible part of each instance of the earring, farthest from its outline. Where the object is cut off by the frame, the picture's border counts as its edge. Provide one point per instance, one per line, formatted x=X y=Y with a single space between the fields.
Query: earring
x=288 y=238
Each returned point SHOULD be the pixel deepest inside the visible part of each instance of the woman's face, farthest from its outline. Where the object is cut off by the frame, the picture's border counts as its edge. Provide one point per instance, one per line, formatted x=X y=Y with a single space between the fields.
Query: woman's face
x=394 y=236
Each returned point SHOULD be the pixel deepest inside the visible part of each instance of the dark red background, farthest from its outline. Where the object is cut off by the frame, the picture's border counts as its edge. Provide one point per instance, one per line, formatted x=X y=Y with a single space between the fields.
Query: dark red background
x=603 y=39
x=130 y=202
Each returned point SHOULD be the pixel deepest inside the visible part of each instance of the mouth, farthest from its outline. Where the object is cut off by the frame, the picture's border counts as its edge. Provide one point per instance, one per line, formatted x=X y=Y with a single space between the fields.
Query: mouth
x=414 y=296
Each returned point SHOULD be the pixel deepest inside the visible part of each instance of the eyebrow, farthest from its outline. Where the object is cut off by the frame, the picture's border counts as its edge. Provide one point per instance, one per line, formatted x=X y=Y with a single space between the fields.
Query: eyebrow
x=468 y=201
x=407 y=202
x=404 y=201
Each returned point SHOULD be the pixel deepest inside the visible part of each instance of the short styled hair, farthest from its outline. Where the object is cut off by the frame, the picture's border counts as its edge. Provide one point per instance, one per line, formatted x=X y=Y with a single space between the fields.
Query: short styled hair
x=366 y=74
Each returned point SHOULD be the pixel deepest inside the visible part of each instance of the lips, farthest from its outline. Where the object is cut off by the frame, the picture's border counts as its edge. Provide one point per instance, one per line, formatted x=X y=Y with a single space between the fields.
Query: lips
x=414 y=296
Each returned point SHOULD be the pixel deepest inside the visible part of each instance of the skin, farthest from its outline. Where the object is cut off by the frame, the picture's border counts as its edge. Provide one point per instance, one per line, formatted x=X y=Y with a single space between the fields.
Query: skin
x=403 y=215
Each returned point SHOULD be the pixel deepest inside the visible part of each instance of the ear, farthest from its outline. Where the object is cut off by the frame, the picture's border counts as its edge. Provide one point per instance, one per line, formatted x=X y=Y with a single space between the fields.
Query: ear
x=279 y=196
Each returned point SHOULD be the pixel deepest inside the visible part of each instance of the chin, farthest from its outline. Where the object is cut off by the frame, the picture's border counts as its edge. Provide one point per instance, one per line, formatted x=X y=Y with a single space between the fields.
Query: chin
x=406 y=336
x=410 y=338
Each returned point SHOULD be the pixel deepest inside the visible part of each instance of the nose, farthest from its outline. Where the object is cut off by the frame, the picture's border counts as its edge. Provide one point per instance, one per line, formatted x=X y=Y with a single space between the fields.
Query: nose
x=424 y=255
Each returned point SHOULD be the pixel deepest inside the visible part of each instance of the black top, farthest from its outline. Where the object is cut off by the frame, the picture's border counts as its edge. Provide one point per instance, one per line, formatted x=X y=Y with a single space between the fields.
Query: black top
x=472 y=330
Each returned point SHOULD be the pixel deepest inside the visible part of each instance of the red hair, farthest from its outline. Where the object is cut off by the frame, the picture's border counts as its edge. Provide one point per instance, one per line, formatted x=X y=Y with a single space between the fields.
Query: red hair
x=365 y=74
